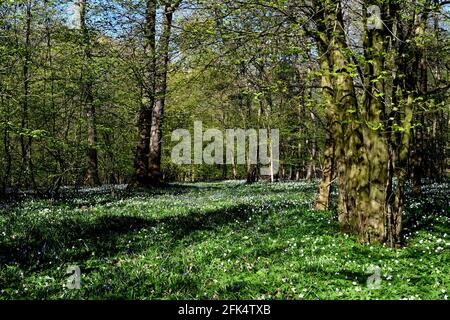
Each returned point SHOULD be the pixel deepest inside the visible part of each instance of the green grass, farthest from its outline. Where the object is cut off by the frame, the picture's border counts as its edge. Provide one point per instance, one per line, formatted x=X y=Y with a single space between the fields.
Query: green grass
x=214 y=241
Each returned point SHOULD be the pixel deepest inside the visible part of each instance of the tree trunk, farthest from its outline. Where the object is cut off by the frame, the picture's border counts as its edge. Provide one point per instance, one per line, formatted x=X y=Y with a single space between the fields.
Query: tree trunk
x=332 y=131
x=323 y=201
x=361 y=150
x=91 y=177
x=155 y=174
x=395 y=210
x=141 y=162
x=25 y=138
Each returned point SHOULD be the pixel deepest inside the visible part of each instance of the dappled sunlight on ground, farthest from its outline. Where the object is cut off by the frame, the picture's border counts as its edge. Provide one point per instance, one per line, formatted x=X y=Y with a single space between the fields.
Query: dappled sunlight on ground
x=214 y=241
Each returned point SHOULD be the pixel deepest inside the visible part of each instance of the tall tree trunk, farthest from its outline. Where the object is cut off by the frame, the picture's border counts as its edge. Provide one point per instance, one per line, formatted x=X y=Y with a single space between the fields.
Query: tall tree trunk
x=339 y=97
x=26 y=140
x=348 y=144
x=370 y=210
x=361 y=149
x=91 y=177
x=323 y=200
x=141 y=162
x=155 y=174
x=418 y=170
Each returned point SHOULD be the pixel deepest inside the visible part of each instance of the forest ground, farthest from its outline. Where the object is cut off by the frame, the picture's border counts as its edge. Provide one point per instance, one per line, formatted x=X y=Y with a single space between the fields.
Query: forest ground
x=224 y=240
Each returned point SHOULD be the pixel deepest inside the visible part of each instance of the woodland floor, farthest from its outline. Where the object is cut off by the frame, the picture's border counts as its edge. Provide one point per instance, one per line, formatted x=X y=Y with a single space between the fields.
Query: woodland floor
x=223 y=240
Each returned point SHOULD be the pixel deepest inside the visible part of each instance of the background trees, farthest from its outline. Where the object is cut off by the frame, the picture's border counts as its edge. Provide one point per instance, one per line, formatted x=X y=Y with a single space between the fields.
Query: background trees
x=44 y=74
x=90 y=92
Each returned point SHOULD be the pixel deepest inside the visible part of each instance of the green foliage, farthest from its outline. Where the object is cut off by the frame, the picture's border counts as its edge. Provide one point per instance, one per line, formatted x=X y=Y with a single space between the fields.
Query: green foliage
x=215 y=241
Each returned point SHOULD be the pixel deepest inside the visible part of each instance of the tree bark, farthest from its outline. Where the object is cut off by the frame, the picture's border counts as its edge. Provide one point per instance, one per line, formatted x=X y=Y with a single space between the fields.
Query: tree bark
x=91 y=177
x=323 y=200
x=361 y=149
x=25 y=138
x=155 y=175
x=141 y=162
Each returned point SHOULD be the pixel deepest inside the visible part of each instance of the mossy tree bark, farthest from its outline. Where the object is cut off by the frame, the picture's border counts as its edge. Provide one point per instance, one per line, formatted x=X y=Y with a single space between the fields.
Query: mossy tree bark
x=328 y=165
x=359 y=134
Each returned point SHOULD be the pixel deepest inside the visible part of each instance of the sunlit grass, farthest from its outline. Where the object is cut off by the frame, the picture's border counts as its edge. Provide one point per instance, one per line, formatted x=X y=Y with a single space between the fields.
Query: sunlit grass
x=214 y=241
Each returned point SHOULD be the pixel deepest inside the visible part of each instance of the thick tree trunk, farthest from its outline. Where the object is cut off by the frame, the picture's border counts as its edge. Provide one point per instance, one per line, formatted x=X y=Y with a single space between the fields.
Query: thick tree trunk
x=349 y=144
x=141 y=162
x=361 y=150
x=346 y=132
x=369 y=214
x=155 y=174
x=328 y=164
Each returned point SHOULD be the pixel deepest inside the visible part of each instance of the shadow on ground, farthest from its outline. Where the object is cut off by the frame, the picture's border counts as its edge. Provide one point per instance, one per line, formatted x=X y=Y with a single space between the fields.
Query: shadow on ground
x=104 y=236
